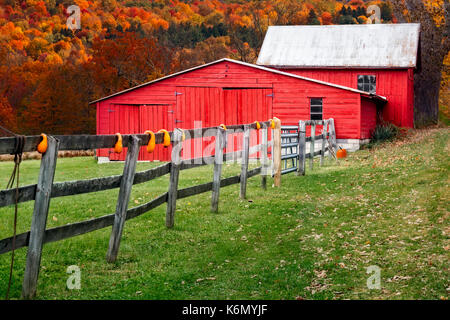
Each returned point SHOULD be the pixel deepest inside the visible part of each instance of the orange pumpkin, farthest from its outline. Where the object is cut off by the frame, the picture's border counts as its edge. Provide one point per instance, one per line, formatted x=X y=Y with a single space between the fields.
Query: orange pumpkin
x=341 y=153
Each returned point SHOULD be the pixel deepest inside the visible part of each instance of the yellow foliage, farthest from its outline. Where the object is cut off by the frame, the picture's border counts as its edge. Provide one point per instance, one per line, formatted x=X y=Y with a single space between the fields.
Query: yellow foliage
x=53 y=58
x=436 y=8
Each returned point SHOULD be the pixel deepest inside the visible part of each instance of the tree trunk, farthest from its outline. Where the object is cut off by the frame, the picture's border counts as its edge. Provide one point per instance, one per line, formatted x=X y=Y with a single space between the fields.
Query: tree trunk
x=426 y=97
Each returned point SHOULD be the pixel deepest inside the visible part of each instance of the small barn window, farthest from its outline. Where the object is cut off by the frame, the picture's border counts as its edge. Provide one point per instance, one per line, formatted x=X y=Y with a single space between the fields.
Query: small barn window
x=367 y=83
x=316 y=108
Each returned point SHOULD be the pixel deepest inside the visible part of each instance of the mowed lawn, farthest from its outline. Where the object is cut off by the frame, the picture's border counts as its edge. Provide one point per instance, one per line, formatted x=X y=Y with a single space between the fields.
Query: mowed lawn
x=312 y=238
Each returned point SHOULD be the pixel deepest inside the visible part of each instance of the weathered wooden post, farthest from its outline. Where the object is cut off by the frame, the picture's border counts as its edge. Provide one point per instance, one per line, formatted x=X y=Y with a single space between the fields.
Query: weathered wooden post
x=244 y=164
x=276 y=152
x=329 y=141
x=324 y=137
x=333 y=134
x=301 y=149
x=174 y=175
x=264 y=157
x=218 y=161
x=126 y=183
x=311 y=145
x=39 y=220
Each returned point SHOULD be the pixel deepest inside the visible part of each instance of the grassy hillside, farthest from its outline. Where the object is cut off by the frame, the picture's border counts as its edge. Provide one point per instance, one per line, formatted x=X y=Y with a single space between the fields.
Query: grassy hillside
x=313 y=238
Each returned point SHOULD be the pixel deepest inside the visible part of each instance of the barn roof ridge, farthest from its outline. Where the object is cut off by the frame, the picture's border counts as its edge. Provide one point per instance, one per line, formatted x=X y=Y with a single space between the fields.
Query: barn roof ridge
x=341 y=46
x=365 y=94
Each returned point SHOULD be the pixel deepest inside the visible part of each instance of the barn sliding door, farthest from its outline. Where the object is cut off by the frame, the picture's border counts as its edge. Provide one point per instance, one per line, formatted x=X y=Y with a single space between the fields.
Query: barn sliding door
x=198 y=107
x=154 y=118
x=135 y=119
x=211 y=106
x=246 y=105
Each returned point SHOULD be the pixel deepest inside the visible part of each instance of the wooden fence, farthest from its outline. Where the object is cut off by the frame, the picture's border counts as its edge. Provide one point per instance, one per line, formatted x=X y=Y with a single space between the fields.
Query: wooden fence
x=327 y=137
x=45 y=189
x=293 y=144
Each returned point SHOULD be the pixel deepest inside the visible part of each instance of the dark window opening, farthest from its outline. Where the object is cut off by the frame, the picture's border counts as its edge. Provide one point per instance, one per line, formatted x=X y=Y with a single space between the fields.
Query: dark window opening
x=367 y=83
x=316 y=108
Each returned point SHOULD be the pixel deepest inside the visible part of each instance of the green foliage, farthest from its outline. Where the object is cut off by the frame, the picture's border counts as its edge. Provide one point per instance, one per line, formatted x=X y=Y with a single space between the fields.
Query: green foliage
x=384 y=132
x=312 y=18
x=347 y=19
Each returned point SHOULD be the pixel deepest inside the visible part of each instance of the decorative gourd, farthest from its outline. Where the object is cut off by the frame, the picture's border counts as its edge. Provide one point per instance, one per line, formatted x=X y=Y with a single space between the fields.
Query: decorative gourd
x=224 y=127
x=166 y=140
x=118 y=146
x=151 y=142
x=272 y=123
x=258 y=126
x=42 y=146
x=341 y=153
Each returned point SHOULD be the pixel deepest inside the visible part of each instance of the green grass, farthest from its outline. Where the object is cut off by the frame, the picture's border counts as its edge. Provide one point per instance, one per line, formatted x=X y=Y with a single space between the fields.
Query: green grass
x=312 y=238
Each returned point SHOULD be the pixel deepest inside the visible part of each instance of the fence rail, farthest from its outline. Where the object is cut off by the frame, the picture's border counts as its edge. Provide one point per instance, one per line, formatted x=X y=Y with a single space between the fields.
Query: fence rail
x=45 y=189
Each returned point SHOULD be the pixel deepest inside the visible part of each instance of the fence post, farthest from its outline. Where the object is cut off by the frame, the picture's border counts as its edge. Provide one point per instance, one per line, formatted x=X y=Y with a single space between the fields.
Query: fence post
x=174 y=175
x=333 y=134
x=39 y=220
x=276 y=151
x=301 y=149
x=264 y=156
x=218 y=161
x=126 y=183
x=329 y=141
x=312 y=143
x=324 y=137
x=244 y=164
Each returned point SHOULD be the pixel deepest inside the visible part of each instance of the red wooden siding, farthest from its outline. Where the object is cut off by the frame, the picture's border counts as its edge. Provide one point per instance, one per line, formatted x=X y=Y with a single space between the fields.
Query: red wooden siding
x=394 y=84
x=154 y=118
x=368 y=118
x=231 y=93
x=127 y=119
x=198 y=107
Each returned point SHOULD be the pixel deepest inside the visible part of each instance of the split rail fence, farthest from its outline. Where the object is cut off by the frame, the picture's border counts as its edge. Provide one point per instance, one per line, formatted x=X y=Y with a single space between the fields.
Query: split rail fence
x=45 y=189
x=293 y=138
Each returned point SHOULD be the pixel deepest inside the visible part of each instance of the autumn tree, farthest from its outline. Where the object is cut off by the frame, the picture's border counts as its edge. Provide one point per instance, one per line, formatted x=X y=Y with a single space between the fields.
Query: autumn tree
x=327 y=18
x=127 y=60
x=207 y=51
x=434 y=19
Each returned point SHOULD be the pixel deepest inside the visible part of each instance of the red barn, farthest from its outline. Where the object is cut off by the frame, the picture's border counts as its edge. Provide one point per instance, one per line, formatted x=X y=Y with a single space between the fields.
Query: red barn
x=233 y=92
x=377 y=58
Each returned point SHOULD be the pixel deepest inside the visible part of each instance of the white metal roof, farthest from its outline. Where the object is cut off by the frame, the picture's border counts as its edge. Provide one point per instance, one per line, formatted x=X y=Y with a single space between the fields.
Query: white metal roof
x=366 y=94
x=359 y=46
